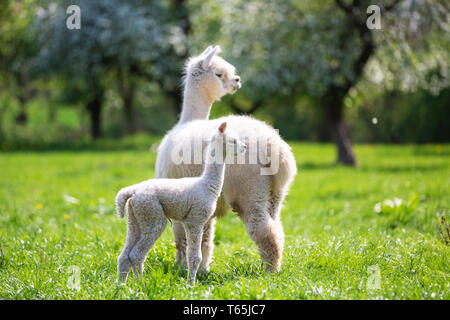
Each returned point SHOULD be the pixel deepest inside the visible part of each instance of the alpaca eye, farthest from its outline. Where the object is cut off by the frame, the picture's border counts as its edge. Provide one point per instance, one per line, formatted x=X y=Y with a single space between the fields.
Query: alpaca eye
x=219 y=75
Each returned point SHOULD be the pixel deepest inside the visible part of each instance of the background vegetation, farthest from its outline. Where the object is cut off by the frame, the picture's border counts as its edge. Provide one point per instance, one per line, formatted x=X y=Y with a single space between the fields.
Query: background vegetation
x=82 y=112
x=312 y=69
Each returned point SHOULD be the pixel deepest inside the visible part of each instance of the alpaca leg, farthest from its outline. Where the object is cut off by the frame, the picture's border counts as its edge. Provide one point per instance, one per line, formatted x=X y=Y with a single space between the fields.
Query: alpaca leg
x=194 y=251
x=276 y=199
x=207 y=244
x=268 y=235
x=123 y=262
x=180 y=243
x=151 y=227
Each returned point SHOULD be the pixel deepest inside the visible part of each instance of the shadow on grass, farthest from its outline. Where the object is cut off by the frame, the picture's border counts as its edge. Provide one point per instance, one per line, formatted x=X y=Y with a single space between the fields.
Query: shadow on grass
x=342 y=194
x=317 y=165
x=234 y=272
x=431 y=151
x=404 y=168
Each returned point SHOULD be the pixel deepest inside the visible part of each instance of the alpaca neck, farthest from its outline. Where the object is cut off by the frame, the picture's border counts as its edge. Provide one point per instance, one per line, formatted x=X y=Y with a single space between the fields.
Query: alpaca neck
x=196 y=104
x=213 y=173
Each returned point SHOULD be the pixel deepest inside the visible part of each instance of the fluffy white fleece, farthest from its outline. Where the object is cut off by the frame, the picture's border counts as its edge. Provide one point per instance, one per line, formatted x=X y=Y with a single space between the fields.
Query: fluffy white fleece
x=256 y=197
x=190 y=201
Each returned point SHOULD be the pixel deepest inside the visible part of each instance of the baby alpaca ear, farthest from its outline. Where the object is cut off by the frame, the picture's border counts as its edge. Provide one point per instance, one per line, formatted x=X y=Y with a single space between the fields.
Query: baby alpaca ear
x=222 y=127
x=205 y=63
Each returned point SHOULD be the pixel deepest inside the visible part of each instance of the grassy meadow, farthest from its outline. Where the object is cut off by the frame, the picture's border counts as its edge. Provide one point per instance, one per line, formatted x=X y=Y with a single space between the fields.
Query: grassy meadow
x=367 y=233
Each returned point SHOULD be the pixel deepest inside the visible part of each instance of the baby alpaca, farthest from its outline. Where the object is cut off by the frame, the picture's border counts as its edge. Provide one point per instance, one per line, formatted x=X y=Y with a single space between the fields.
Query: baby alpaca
x=190 y=201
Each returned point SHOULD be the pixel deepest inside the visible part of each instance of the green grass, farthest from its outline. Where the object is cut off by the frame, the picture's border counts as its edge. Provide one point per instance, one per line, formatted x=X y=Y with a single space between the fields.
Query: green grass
x=336 y=243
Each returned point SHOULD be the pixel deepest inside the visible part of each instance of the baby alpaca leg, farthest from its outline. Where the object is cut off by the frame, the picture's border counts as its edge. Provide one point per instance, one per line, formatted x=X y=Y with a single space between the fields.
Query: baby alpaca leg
x=123 y=262
x=207 y=244
x=151 y=226
x=180 y=243
x=194 y=251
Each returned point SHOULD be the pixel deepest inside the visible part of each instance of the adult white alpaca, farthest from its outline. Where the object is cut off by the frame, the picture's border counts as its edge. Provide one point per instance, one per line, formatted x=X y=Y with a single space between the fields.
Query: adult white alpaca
x=256 y=197
x=190 y=201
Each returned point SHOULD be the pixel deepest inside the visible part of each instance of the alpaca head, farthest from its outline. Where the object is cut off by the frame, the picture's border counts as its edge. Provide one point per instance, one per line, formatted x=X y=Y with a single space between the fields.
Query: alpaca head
x=228 y=141
x=212 y=73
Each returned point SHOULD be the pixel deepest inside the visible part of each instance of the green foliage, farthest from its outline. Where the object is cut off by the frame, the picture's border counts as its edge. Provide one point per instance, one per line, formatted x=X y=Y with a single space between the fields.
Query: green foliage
x=17 y=42
x=67 y=127
x=396 y=205
x=402 y=117
x=18 y=47
x=298 y=47
x=292 y=52
x=132 y=35
x=397 y=211
x=412 y=52
x=288 y=54
x=333 y=237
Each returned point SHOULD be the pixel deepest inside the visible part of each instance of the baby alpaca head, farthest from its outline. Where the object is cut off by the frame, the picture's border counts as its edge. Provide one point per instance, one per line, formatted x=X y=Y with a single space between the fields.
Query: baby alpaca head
x=227 y=140
x=212 y=73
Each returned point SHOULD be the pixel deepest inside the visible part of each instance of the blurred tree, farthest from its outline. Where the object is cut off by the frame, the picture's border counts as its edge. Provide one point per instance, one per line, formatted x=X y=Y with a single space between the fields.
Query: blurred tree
x=180 y=15
x=17 y=49
x=117 y=39
x=395 y=116
x=322 y=48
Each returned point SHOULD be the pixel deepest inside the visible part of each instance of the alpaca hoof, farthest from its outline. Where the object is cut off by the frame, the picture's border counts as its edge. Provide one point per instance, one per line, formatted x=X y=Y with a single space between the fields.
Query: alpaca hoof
x=191 y=281
x=182 y=265
x=203 y=271
x=270 y=268
x=123 y=277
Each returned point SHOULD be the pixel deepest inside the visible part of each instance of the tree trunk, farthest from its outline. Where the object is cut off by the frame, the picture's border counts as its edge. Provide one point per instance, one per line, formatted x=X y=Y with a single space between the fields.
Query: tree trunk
x=341 y=137
x=332 y=104
x=130 y=115
x=94 y=108
x=51 y=107
x=334 y=97
x=127 y=88
x=22 y=117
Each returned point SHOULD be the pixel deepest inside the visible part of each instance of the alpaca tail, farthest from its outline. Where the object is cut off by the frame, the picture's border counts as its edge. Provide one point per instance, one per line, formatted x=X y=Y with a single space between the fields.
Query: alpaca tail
x=122 y=198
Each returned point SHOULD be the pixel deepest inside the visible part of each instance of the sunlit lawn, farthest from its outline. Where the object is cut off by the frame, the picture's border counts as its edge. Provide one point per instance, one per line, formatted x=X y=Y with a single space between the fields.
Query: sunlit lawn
x=337 y=245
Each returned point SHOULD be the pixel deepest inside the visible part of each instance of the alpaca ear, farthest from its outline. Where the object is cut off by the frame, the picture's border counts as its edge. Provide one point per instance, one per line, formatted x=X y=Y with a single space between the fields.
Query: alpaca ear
x=222 y=127
x=207 y=60
x=218 y=49
x=207 y=50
